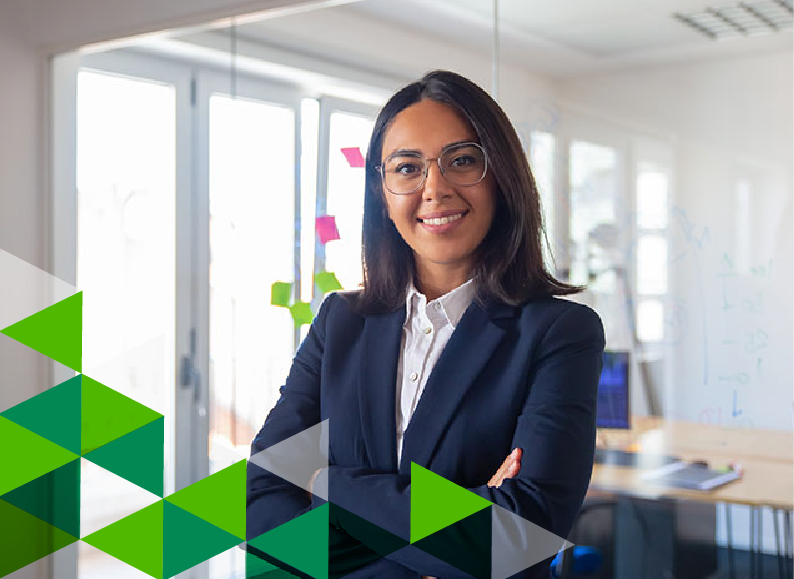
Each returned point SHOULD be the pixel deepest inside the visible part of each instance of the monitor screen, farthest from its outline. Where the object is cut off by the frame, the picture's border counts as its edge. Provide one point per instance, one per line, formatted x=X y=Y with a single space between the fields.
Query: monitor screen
x=613 y=391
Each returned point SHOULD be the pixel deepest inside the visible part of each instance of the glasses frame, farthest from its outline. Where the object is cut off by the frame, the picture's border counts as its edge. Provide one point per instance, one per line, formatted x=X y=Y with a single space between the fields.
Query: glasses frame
x=381 y=169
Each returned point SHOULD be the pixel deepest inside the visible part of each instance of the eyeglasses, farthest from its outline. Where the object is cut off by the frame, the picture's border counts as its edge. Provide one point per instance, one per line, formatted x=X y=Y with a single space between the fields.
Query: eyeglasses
x=463 y=164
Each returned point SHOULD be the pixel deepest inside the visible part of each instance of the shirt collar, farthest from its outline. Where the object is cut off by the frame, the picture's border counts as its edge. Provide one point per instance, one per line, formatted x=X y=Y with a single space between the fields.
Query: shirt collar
x=453 y=303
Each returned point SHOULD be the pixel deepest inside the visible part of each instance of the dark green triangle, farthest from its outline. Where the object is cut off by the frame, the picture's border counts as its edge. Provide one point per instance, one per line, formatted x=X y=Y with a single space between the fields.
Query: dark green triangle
x=218 y=499
x=136 y=457
x=25 y=539
x=189 y=540
x=437 y=503
x=256 y=568
x=357 y=544
x=137 y=540
x=108 y=415
x=56 y=331
x=26 y=456
x=54 y=498
x=53 y=414
x=301 y=543
x=465 y=544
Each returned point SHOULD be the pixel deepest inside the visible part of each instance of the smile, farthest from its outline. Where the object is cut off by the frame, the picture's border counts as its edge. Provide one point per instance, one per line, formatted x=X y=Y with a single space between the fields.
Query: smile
x=442 y=220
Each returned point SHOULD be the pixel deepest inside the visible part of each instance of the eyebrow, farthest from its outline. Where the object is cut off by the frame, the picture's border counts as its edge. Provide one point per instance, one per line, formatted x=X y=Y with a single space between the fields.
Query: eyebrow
x=418 y=152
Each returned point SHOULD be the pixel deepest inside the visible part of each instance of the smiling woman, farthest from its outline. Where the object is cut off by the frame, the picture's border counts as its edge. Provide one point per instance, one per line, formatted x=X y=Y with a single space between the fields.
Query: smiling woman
x=455 y=356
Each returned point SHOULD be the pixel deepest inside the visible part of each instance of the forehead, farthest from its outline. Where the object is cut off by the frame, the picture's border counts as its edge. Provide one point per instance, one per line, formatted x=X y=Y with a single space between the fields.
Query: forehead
x=427 y=126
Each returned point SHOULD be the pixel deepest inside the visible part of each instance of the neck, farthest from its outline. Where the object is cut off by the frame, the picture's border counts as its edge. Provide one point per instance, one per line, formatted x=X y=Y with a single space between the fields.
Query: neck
x=436 y=279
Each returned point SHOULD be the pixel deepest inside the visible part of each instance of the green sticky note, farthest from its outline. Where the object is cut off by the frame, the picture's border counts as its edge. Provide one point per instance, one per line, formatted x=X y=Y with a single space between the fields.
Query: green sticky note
x=327 y=282
x=301 y=313
x=280 y=293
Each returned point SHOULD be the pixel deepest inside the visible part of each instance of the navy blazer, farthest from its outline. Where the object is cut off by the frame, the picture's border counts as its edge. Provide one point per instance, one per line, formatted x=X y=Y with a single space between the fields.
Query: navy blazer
x=508 y=377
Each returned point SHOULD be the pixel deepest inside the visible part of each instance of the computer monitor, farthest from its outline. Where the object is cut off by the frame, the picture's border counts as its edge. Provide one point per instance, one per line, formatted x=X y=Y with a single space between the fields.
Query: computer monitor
x=613 y=391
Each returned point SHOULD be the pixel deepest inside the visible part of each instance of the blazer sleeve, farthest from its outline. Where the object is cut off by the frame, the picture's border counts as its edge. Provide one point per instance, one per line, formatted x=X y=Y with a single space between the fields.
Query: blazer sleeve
x=556 y=431
x=270 y=500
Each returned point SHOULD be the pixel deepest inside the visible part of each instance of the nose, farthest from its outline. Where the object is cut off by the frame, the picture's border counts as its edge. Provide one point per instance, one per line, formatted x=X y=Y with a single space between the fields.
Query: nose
x=435 y=183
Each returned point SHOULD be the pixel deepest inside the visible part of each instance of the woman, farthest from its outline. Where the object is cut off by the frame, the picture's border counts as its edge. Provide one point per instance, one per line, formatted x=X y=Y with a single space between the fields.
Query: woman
x=455 y=353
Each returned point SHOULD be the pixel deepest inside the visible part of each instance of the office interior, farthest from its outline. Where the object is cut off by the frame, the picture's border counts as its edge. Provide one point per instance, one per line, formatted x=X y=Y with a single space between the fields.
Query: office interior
x=171 y=161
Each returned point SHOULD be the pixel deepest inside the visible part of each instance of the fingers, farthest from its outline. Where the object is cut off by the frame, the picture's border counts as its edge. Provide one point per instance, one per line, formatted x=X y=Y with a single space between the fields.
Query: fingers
x=509 y=468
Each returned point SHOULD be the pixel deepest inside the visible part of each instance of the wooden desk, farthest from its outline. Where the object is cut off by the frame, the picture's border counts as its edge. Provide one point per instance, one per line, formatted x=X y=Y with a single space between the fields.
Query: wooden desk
x=766 y=456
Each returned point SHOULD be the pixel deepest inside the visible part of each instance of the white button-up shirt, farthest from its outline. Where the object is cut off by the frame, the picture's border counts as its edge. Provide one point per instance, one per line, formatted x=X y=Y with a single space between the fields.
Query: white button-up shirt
x=427 y=329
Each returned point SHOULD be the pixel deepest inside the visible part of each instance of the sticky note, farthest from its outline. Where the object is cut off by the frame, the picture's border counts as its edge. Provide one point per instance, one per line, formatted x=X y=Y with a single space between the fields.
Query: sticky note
x=301 y=313
x=326 y=281
x=353 y=156
x=280 y=293
x=326 y=228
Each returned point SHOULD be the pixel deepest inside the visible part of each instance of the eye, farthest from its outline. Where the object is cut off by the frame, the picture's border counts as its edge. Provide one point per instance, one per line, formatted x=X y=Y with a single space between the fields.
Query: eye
x=463 y=161
x=406 y=169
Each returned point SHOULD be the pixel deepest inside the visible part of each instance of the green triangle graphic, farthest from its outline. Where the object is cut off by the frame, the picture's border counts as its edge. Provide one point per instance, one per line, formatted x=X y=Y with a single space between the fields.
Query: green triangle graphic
x=108 y=415
x=465 y=544
x=437 y=502
x=137 y=456
x=53 y=414
x=25 y=539
x=25 y=456
x=301 y=543
x=218 y=499
x=56 y=331
x=189 y=540
x=54 y=498
x=137 y=540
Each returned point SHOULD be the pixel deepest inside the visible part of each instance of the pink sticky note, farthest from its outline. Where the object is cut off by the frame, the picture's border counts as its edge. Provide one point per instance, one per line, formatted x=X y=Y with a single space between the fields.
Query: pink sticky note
x=353 y=156
x=326 y=228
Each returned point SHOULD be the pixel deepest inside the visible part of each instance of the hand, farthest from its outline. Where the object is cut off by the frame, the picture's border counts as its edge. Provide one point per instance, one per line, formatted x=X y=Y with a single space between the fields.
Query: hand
x=509 y=468
x=311 y=482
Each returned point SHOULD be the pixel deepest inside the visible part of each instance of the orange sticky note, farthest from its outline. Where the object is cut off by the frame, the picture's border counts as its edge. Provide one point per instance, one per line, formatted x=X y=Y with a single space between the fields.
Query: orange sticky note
x=326 y=228
x=353 y=156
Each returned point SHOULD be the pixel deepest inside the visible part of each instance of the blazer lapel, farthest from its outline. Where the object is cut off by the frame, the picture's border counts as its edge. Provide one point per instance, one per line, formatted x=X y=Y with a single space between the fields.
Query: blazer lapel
x=378 y=387
x=469 y=348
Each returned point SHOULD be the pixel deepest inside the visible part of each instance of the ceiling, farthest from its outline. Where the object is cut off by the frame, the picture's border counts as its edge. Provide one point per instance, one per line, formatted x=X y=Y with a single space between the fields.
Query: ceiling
x=570 y=37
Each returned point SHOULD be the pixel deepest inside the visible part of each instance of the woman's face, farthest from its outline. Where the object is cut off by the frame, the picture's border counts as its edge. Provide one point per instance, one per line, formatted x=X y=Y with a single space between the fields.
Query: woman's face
x=428 y=127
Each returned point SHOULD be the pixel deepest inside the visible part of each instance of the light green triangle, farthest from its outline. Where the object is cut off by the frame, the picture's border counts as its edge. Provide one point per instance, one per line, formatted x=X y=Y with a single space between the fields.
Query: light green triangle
x=218 y=499
x=136 y=456
x=56 y=331
x=137 y=540
x=25 y=456
x=301 y=543
x=188 y=540
x=25 y=539
x=437 y=503
x=53 y=414
x=108 y=415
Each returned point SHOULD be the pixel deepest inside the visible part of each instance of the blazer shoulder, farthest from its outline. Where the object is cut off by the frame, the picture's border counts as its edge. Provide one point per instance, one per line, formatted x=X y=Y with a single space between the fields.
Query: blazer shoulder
x=561 y=313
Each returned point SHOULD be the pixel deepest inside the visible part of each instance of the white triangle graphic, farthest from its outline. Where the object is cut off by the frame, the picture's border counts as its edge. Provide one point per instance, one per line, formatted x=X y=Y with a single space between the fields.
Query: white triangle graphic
x=298 y=457
x=106 y=497
x=517 y=544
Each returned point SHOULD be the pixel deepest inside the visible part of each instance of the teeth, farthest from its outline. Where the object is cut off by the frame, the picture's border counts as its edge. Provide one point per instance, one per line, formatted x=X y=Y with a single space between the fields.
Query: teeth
x=442 y=220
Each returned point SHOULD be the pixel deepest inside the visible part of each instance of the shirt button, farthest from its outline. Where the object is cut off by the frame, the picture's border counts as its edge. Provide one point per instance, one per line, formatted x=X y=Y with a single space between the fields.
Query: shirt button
x=428 y=330
x=437 y=306
x=414 y=376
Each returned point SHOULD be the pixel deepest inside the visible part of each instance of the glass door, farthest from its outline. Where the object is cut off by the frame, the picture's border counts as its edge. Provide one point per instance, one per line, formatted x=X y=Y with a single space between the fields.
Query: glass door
x=129 y=185
x=250 y=180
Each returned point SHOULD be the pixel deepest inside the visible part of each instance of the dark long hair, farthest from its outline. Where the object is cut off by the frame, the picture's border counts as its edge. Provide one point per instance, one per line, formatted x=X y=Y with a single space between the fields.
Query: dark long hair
x=509 y=264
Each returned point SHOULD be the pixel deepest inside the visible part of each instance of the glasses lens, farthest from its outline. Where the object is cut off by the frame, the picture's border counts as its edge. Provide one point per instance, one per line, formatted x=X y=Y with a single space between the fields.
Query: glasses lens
x=403 y=173
x=464 y=164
